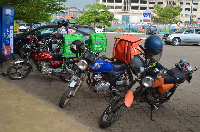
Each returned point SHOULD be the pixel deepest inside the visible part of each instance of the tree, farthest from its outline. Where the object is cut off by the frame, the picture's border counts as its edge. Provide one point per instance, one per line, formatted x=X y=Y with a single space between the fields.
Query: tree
x=97 y=14
x=33 y=11
x=166 y=15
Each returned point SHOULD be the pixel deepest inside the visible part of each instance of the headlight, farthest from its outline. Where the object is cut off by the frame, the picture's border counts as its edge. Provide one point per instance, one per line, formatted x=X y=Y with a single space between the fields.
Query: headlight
x=82 y=64
x=148 y=81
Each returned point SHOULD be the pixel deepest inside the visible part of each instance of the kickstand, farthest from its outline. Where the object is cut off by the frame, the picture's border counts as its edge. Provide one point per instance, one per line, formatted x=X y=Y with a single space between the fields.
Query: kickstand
x=152 y=113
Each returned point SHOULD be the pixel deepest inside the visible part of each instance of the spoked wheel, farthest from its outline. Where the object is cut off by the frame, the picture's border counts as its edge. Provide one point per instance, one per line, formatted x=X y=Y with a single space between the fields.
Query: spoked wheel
x=18 y=71
x=65 y=98
x=112 y=113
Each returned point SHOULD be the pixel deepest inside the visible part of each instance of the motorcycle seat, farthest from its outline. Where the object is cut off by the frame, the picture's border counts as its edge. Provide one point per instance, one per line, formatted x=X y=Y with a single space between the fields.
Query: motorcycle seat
x=174 y=75
x=57 y=57
x=119 y=66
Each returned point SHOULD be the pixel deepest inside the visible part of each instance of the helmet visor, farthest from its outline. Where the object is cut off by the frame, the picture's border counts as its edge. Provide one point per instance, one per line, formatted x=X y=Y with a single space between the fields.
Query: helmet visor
x=156 y=54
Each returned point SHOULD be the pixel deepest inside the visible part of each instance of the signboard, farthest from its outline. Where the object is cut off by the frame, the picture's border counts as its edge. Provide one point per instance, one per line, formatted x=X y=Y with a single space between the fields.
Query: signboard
x=7 y=30
x=146 y=17
x=198 y=20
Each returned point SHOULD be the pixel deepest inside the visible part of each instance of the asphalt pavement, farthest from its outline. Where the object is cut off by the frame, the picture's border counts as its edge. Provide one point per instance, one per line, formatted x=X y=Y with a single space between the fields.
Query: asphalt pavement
x=42 y=94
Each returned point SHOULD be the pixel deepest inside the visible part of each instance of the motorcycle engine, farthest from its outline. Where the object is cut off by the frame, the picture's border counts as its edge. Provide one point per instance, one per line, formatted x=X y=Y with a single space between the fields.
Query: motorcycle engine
x=99 y=84
x=45 y=68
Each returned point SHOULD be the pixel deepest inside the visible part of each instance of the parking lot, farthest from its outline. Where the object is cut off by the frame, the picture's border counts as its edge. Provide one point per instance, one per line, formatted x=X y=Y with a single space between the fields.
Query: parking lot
x=180 y=114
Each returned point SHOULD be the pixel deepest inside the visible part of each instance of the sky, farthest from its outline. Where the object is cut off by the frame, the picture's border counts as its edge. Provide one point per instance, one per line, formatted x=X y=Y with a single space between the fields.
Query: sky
x=78 y=3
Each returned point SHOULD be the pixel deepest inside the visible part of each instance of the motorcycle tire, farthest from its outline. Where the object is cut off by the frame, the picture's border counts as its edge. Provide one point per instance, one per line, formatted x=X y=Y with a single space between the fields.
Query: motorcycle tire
x=112 y=113
x=65 y=98
x=16 y=72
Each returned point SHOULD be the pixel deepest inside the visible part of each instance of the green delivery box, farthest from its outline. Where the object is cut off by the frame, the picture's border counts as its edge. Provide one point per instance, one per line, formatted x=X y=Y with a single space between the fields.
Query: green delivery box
x=97 y=42
x=68 y=39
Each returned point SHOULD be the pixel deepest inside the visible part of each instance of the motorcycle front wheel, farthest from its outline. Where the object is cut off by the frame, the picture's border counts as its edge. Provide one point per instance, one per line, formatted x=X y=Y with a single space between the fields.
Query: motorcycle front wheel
x=18 y=71
x=65 y=98
x=112 y=113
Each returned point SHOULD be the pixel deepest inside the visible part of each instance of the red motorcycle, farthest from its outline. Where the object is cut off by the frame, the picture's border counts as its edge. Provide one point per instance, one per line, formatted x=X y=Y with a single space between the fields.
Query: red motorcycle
x=51 y=64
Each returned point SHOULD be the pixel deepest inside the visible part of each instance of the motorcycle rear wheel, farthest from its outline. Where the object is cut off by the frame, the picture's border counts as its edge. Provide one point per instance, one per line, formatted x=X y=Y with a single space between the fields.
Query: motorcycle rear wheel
x=65 y=98
x=112 y=113
x=18 y=71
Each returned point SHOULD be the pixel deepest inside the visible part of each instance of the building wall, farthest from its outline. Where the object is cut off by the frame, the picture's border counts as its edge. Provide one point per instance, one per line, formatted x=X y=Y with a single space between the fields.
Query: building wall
x=135 y=8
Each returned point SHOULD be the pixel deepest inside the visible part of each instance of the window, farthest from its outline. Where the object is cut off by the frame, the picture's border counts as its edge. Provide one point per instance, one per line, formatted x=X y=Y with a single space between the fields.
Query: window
x=187 y=3
x=143 y=8
x=110 y=1
x=181 y=3
x=118 y=7
x=194 y=9
x=104 y=1
x=181 y=15
x=151 y=8
x=118 y=1
x=160 y=2
x=197 y=31
x=111 y=7
x=143 y=2
x=187 y=9
x=152 y=3
x=187 y=15
x=134 y=7
x=195 y=3
x=189 y=31
x=134 y=1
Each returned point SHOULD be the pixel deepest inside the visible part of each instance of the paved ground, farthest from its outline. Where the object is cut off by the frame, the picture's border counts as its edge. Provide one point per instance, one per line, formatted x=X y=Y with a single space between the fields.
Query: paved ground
x=180 y=114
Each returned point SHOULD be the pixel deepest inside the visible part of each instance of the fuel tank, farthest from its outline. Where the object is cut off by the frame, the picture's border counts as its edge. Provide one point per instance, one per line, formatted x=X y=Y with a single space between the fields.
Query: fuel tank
x=101 y=66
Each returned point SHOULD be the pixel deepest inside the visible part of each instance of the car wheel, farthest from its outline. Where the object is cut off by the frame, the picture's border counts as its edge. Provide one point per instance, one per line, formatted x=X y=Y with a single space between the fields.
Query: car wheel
x=175 y=41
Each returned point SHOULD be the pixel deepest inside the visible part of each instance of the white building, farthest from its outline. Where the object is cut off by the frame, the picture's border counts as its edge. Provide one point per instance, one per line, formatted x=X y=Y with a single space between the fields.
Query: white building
x=133 y=9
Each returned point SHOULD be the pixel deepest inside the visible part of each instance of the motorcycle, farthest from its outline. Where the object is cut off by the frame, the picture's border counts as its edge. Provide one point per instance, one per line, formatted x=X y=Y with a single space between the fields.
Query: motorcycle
x=46 y=62
x=156 y=85
x=52 y=44
x=103 y=74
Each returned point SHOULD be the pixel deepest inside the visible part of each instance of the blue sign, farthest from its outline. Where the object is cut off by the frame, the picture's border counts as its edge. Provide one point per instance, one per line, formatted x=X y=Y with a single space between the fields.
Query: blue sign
x=146 y=17
x=7 y=30
x=198 y=20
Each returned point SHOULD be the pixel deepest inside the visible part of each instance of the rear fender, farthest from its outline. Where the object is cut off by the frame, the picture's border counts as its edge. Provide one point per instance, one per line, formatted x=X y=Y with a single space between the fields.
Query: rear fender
x=129 y=98
x=17 y=62
x=21 y=62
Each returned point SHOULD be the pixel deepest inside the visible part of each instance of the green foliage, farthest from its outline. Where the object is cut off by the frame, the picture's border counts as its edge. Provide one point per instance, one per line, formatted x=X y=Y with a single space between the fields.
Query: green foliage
x=166 y=15
x=33 y=11
x=97 y=14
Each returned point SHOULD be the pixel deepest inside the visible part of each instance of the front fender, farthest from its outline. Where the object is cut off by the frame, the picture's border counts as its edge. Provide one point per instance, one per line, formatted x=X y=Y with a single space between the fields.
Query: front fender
x=129 y=98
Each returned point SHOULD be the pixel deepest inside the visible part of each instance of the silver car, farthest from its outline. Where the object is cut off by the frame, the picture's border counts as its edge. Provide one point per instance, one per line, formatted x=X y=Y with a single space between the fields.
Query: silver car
x=190 y=36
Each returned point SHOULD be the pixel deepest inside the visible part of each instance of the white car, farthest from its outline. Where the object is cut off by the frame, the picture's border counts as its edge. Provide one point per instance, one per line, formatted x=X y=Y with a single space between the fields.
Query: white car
x=24 y=27
x=190 y=36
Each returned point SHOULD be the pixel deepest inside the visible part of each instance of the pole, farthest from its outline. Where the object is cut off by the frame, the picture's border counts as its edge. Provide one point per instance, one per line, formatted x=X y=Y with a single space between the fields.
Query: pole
x=191 y=14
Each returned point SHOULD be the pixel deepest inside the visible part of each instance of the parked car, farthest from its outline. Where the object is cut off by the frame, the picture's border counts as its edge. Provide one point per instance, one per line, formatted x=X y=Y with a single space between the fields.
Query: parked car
x=24 y=27
x=151 y=30
x=175 y=31
x=190 y=36
x=85 y=30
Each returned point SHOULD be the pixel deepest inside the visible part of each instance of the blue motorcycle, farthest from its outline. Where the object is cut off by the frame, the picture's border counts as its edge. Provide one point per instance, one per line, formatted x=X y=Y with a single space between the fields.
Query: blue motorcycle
x=103 y=74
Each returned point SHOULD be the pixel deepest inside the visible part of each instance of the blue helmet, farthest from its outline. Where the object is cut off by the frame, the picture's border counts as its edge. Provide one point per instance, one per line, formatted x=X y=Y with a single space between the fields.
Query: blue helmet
x=154 y=47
